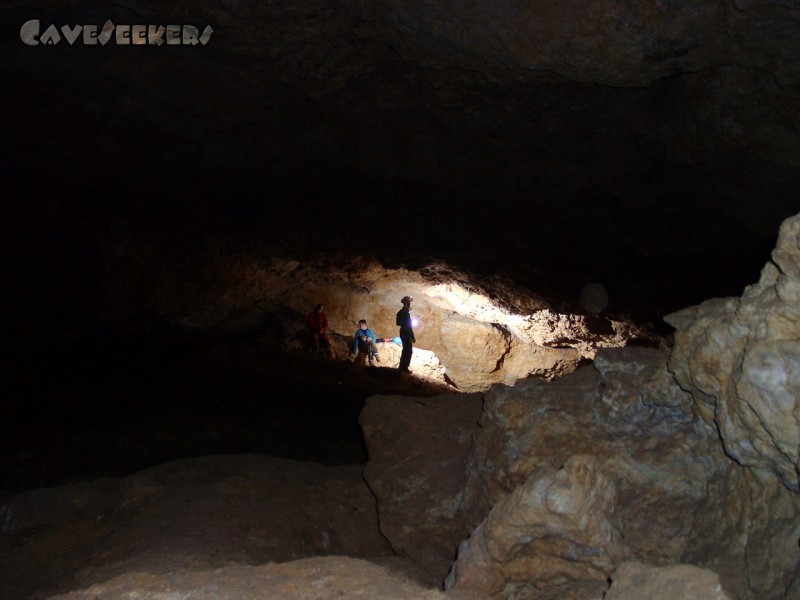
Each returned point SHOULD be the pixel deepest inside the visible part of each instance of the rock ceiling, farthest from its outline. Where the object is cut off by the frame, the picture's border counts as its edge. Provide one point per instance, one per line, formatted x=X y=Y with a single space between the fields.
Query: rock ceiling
x=653 y=147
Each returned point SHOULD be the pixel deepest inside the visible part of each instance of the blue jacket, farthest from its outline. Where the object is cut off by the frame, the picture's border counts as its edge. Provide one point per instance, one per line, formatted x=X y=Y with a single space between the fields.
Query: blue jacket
x=362 y=333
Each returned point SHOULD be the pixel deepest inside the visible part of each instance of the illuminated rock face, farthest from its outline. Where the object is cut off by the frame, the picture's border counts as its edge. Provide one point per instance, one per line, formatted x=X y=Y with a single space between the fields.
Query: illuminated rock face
x=740 y=358
x=633 y=581
x=473 y=332
x=308 y=579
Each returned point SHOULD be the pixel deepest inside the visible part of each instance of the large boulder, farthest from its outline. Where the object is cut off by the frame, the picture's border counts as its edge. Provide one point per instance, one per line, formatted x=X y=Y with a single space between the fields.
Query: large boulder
x=565 y=480
x=634 y=581
x=306 y=579
x=557 y=531
x=418 y=449
x=202 y=513
x=622 y=410
x=740 y=359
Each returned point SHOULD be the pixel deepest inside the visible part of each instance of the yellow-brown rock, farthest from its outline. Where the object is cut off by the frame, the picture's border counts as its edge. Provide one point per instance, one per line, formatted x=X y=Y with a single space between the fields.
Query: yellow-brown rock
x=618 y=441
x=634 y=581
x=740 y=358
x=556 y=531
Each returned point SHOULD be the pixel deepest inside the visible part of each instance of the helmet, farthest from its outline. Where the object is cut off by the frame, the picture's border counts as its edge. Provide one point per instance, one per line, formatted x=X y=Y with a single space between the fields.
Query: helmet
x=406 y=299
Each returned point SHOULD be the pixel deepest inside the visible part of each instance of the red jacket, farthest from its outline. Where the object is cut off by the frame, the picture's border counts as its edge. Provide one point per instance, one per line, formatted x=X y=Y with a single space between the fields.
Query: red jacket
x=317 y=321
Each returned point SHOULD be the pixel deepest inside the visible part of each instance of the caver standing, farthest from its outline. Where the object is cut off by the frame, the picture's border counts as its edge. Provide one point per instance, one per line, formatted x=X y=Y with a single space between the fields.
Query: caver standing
x=403 y=321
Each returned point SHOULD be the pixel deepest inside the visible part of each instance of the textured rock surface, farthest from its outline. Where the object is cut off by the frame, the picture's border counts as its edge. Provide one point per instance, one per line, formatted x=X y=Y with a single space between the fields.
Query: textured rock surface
x=634 y=581
x=567 y=479
x=622 y=410
x=307 y=579
x=748 y=532
x=480 y=331
x=194 y=514
x=638 y=428
x=740 y=358
x=555 y=532
x=418 y=450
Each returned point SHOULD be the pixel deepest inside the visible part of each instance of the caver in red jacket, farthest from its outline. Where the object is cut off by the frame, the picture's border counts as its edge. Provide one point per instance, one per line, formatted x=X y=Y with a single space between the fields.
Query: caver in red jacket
x=318 y=325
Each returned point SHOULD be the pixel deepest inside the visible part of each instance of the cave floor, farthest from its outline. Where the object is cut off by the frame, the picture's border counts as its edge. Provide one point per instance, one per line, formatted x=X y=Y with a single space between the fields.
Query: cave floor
x=114 y=404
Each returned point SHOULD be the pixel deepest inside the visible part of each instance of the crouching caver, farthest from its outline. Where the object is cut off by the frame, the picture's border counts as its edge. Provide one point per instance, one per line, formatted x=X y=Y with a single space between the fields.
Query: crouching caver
x=365 y=342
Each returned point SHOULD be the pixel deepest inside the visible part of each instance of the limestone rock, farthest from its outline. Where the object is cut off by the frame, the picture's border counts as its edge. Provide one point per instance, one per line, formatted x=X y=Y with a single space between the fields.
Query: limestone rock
x=678 y=497
x=476 y=332
x=418 y=451
x=673 y=496
x=625 y=411
x=473 y=349
x=307 y=579
x=555 y=531
x=634 y=581
x=622 y=410
x=740 y=358
x=194 y=514
x=748 y=534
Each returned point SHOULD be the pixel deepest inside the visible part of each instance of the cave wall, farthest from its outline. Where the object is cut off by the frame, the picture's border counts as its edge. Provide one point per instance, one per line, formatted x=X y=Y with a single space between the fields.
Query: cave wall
x=480 y=331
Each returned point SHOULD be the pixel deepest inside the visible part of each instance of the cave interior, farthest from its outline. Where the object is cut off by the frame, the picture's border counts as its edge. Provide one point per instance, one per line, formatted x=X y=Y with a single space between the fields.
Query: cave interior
x=652 y=150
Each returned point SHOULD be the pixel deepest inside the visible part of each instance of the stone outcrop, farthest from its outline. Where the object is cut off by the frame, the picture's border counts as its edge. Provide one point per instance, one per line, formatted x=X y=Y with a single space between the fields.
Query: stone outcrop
x=639 y=427
x=565 y=480
x=417 y=470
x=556 y=532
x=740 y=359
x=307 y=579
x=195 y=514
x=634 y=581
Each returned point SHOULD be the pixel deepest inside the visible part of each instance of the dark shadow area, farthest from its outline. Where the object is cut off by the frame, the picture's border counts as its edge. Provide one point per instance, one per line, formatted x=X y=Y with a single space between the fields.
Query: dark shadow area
x=115 y=403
